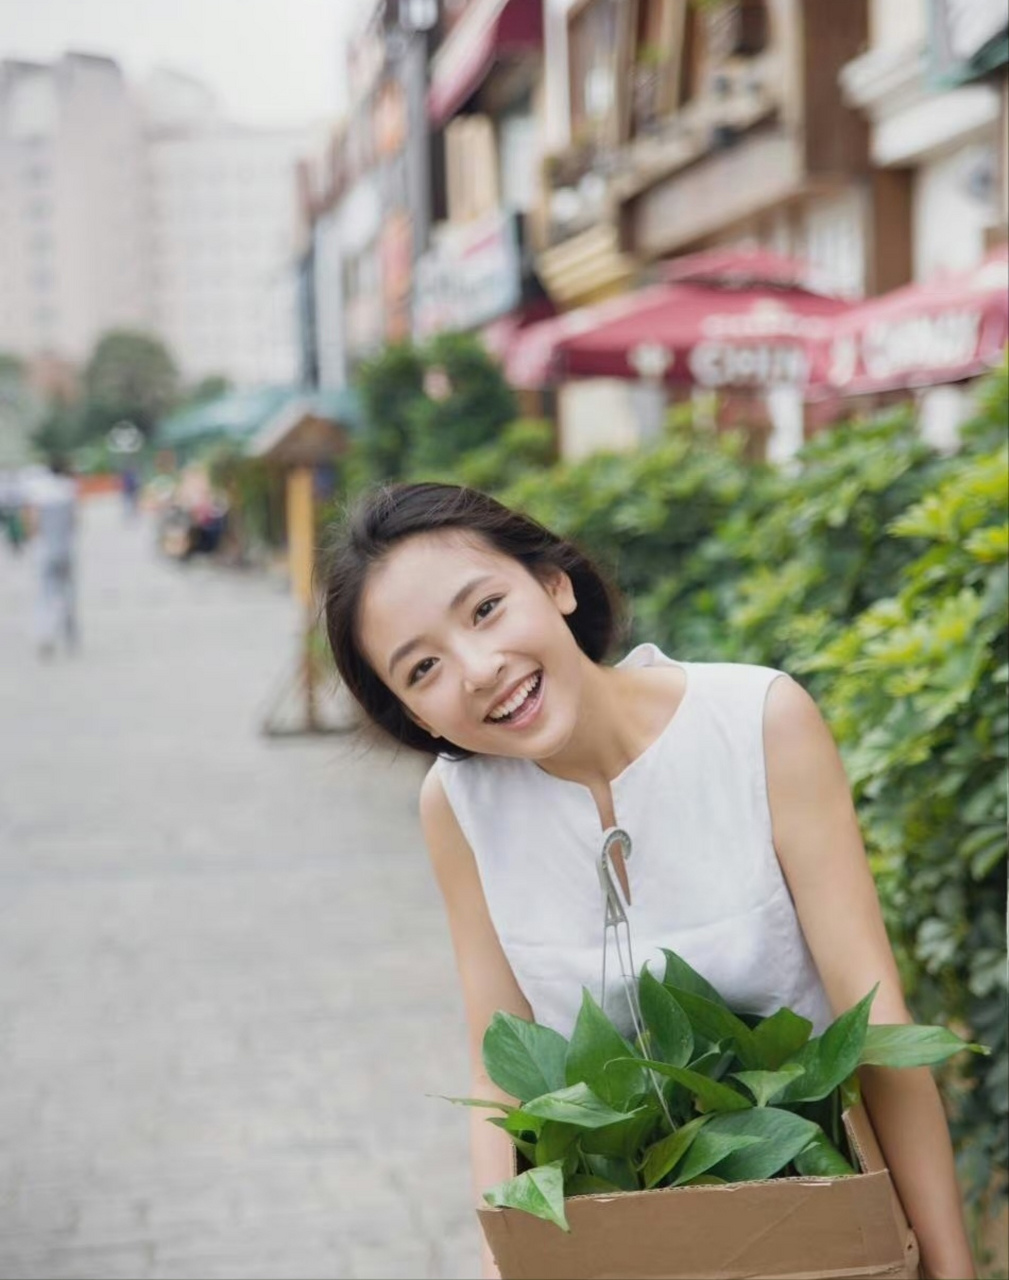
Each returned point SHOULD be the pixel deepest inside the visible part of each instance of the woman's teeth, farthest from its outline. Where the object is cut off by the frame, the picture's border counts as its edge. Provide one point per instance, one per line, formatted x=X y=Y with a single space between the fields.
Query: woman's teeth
x=505 y=709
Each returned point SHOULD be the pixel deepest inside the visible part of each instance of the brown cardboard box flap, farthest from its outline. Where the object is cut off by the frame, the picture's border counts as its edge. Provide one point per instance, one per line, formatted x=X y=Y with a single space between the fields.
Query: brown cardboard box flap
x=814 y=1228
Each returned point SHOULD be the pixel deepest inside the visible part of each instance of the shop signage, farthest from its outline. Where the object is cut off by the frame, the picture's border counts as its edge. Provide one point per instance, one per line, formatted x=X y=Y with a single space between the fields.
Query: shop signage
x=757 y=364
x=944 y=342
x=471 y=276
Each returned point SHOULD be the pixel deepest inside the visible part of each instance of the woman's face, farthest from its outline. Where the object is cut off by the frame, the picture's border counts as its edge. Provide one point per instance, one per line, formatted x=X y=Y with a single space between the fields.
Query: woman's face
x=475 y=648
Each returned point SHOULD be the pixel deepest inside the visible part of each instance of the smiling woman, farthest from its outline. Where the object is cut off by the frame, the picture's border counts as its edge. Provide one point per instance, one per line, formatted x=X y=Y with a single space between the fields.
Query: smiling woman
x=471 y=633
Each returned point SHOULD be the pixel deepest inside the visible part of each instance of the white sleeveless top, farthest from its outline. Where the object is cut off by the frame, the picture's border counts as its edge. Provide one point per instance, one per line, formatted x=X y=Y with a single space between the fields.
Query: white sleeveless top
x=703 y=872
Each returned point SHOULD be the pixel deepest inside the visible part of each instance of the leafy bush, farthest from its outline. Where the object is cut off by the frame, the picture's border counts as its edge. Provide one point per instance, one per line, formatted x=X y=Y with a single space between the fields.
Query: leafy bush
x=642 y=514
x=390 y=384
x=915 y=689
x=704 y=1096
x=414 y=427
x=474 y=408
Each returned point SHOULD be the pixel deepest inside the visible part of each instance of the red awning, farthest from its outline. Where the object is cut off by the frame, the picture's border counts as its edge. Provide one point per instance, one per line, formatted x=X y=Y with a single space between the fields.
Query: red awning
x=707 y=336
x=530 y=359
x=945 y=330
x=487 y=30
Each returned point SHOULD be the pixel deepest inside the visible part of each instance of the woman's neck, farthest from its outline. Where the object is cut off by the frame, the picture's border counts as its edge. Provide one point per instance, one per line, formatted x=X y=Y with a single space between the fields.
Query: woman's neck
x=622 y=712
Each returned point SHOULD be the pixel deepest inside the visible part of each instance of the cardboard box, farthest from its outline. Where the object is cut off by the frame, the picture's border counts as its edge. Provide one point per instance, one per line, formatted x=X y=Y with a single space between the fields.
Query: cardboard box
x=786 y=1228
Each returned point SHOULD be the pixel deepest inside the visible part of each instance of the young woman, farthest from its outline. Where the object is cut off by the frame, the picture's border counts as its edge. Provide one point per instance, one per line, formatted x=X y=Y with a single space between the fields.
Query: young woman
x=469 y=632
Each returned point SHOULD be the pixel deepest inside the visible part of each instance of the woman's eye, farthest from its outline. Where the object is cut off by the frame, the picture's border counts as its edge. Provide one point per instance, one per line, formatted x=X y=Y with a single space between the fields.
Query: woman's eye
x=421 y=669
x=486 y=608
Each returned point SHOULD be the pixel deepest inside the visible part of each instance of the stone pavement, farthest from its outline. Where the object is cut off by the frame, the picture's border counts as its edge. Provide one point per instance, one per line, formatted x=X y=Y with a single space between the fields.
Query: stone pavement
x=226 y=987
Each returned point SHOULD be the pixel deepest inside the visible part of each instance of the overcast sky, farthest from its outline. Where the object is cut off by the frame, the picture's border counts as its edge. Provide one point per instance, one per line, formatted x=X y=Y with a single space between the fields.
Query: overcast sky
x=270 y=61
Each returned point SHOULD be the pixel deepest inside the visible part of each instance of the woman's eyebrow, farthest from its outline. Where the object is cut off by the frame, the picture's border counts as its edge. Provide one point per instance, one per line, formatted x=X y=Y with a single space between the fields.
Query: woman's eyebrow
x=460 y=598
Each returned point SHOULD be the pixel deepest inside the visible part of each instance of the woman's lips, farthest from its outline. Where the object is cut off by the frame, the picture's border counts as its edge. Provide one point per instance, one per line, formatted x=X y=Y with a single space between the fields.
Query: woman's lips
x=528 y=710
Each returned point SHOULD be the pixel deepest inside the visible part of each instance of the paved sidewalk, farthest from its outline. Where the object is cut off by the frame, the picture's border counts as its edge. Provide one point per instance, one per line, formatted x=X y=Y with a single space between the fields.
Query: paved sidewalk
x=226 y=986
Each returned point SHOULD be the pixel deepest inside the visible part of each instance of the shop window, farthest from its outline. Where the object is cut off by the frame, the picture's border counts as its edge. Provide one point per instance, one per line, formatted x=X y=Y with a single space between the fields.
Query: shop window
x=599 y=39
x=736 y=30
x=656 y=68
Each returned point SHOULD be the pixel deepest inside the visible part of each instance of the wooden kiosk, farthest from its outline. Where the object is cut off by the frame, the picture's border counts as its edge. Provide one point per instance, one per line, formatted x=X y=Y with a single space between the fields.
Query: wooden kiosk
x=304 y=437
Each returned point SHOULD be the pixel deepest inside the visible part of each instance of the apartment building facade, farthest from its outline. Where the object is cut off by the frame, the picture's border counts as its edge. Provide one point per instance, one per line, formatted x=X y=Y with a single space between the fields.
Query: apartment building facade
x=144 y=208
x=74 y=249
x=221 y=219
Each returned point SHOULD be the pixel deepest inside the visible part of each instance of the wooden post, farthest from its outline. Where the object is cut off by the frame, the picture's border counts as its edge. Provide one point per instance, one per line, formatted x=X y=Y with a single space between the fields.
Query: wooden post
x=301 y=563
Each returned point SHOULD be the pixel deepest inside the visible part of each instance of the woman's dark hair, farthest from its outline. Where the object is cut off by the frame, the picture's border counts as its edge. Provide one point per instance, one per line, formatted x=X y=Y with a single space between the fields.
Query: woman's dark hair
x=388 y=515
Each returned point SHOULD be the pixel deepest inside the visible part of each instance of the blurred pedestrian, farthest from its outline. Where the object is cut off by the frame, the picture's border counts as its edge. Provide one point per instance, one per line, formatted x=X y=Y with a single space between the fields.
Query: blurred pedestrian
x=130 y=482
x=51 y=499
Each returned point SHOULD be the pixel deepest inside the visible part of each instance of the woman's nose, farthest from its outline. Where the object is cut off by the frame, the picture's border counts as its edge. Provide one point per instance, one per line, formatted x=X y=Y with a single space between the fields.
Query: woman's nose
x=481 y=670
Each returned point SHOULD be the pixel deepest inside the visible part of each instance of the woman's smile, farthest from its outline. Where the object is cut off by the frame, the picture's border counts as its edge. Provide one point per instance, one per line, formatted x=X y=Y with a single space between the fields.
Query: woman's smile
x=521 y=706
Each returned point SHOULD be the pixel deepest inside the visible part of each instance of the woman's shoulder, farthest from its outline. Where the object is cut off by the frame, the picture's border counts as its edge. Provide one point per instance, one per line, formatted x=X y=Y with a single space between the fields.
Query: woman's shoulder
x=476 y=779
x=710 y=672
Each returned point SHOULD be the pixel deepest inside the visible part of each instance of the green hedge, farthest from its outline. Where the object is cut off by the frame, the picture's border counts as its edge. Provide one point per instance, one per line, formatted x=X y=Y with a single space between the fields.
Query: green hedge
x=876 y=572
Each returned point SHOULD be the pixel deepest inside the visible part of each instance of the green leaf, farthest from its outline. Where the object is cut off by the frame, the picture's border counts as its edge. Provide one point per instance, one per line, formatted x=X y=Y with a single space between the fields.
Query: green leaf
x=537 y=1191
x=672 y=1036
x=707 y=1151
x=618 y=1172
x=783 y=1135
x=680 y=975
x=477 y=1102
x=717 y=1023
x=624 y=1139
x=821 y=1159
x=554 y=1142
x=704 y=1180
x=523 y=1058
x=766 y=1085
x=586 y=1184
x=521 y=1144
x=576 y=1104
x=910 y=1045
x=595 y=1043
x=829 y=1059
x=660 y=1158
x=710 y=1095
x=518 y=1124
x=780 y=1036
x=714 y=1063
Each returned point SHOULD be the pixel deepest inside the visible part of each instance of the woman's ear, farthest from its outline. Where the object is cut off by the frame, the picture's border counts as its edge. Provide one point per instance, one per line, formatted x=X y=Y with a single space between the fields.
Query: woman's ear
x=559 y=587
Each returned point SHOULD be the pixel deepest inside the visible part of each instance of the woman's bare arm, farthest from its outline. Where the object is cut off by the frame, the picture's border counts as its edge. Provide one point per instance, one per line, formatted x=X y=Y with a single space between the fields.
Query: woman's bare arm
x=488 y=983
x=820 y=850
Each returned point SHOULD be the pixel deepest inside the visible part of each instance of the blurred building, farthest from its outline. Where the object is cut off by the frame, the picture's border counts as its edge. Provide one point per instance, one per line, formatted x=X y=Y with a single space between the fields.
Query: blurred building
x=688 y=126
x=564 y=151
x=366 y=198
x=146 y=209
x=933 y=84
x=74 y=252
x=485 y=106
x=222 y=217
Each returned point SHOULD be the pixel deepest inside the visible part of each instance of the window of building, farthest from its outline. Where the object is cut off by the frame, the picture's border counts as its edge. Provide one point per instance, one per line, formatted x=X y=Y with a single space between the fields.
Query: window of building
x=599 y=38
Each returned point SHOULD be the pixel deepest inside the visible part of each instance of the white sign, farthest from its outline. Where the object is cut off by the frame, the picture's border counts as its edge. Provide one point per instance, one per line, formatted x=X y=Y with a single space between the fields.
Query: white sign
x=471 y=276
x=945 y=341
x=727 y=364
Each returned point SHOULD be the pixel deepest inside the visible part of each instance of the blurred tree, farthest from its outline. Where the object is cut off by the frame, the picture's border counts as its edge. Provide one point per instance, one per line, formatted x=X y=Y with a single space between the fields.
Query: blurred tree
x=130 y=376
x=391 y=386
x=211 y=387
x=468 y=404
x=21 y=411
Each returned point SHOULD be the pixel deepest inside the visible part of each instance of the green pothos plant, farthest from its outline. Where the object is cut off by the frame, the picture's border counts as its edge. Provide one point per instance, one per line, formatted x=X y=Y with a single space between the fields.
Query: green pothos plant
x=703 y=1096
